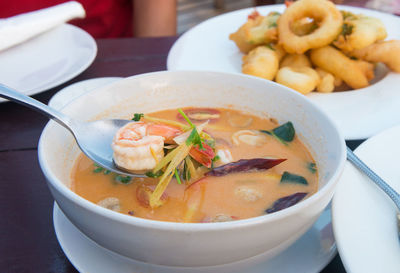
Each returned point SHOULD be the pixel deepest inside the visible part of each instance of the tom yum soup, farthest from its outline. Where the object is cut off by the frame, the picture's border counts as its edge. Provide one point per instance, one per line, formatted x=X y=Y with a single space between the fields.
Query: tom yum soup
x=202 y=165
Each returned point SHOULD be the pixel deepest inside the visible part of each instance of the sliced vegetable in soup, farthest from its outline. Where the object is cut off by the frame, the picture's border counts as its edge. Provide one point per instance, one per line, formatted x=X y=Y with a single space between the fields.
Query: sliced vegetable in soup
x=202 y=165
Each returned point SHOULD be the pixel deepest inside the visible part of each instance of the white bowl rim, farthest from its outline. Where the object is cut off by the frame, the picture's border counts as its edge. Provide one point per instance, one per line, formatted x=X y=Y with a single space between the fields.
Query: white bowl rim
x=198 y=227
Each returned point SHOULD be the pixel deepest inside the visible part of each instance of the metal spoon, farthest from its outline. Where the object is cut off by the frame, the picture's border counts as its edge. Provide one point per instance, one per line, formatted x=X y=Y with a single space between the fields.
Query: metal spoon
x=93 y=138
x=395 y=196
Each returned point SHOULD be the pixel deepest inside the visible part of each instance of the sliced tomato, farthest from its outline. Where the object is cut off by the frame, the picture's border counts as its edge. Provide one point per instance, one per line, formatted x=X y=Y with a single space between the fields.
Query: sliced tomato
x=203 y=156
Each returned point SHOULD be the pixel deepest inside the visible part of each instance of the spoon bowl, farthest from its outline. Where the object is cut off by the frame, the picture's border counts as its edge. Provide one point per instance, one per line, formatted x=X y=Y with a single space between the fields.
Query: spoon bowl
x=93 y=138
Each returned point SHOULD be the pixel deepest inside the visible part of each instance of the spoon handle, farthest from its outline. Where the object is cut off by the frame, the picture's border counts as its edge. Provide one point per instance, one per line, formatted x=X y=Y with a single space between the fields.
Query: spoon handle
x=11 y=94
x=374 y=177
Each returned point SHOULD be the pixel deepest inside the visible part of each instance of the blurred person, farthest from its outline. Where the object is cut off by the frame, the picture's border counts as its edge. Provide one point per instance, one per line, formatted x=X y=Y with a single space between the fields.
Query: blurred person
x=110 y=18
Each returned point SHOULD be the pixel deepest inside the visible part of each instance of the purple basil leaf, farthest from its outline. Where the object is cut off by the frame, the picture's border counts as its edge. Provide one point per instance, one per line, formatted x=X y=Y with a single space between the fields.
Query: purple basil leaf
x=245 y=165
x=287 y=201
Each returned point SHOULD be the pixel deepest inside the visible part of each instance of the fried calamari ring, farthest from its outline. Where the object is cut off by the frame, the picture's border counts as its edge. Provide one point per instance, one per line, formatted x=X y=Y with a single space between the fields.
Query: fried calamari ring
x=295 y=60
x=261 y=62
x=387 y=52
x=323 y=12
x=359 y=31
x=335 y=62
x=302 y=79
x=257 y=30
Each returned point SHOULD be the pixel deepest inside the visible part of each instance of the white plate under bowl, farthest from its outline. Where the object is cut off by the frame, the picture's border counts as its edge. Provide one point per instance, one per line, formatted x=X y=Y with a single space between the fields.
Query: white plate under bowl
x=65 y=95
x=310 y=254
x=359 y=114
x=47 y=60
x=364 y=218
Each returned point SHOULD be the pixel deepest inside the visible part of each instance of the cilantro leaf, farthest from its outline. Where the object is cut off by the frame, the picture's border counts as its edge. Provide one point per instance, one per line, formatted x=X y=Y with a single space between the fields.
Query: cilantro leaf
x=137 y=116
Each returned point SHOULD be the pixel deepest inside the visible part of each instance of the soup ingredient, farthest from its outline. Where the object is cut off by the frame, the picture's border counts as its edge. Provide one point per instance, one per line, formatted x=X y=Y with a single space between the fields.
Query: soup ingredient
x=248 y=194
x=293 y=178
x=328 y=18
x=261 y=62
x=284 y=133
x=302 y=79
x=222 y=218
x=359 y=31
x=337 y=63
x=287 y=201
x=250 y=137
x=138 y=146
x=387 y=52
x=200 y=114
x=111 y=203
x=245 y=165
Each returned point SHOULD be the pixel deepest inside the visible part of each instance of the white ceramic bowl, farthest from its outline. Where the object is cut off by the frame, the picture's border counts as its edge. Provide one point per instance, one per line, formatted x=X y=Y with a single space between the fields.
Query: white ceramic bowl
x=201 y=244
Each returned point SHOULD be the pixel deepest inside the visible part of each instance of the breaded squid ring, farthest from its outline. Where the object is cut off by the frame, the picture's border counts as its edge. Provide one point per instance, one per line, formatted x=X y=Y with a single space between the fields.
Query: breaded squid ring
x=387 y=52
x=335 y=62
x=323 y=11
x=302 y=79
x=261 y=62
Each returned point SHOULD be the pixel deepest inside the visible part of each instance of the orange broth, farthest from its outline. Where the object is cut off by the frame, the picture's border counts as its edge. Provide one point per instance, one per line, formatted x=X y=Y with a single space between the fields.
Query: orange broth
x=230 y=197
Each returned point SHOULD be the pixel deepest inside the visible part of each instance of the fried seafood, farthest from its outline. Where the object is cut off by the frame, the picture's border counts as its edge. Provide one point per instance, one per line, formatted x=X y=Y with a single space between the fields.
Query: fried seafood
x=340 y=47
x=295 y=60
x=323 y=12
x=327 y=81
x=262 y=62
x=302 y=79
x=359 y=31
x=335 y=62
x=257 y=30
x=387 y=52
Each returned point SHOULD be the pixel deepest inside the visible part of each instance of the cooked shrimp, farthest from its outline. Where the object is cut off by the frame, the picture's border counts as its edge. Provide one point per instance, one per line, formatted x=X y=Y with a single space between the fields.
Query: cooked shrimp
x=138 y=146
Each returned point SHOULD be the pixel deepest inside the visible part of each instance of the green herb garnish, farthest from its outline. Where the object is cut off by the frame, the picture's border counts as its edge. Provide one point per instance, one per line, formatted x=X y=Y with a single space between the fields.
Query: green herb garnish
x=153 y=175
x=137 y=116
x=106 y=172
x=347 y=29
x=312 y=167
x=293 y=178
x=98 y=170
x=123 y=179
x=284 y=133
x=178 y=179
x=186 y=172
x=194 y=137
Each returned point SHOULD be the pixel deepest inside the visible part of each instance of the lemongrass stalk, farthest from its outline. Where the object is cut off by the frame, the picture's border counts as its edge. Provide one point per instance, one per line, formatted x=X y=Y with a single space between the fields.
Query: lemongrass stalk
x=166 y=159
x=169 y=172
x=180 y=125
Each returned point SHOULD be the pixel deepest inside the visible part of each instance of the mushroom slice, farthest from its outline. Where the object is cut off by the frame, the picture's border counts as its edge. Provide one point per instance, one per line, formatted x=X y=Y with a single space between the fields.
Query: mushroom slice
x=250 y=137
x=247 y=194
x=111 y=203
x=222 y=218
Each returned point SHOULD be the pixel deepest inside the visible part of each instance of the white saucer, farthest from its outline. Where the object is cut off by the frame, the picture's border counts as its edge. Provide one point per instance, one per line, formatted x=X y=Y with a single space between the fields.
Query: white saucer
x=47 y=60
x=359 y=114
x=65 y=95
x=364 y=218
x=311 y=253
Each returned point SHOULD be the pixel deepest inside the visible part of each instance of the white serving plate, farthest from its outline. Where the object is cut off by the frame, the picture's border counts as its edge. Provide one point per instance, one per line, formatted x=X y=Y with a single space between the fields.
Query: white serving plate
x=359 y=114
x=47 y=60
x=364 y=218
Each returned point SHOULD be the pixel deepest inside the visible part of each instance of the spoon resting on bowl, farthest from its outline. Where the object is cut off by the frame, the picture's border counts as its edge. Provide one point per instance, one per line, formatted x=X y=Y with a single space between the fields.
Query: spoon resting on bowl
x=93 y=138
x=395 y=196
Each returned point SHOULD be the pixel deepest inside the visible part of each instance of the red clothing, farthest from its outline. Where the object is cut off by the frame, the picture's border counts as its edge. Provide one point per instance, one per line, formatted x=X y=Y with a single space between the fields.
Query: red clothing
x=104 y=18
